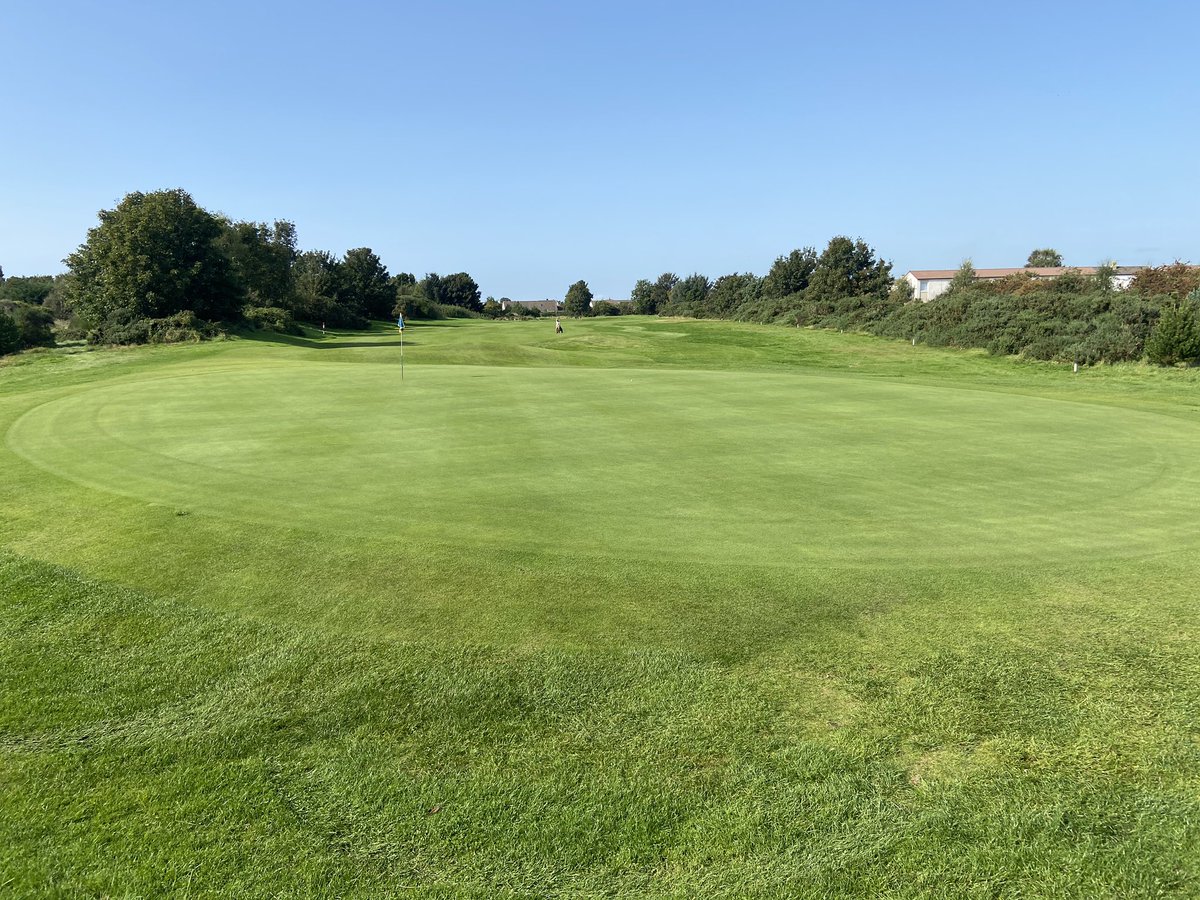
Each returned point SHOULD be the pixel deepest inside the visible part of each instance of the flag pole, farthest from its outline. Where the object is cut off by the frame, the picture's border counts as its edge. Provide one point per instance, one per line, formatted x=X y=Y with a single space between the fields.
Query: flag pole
x=400 y=326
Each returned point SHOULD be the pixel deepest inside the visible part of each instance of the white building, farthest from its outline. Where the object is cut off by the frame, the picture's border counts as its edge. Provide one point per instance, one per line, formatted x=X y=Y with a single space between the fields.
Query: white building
x=929 y=283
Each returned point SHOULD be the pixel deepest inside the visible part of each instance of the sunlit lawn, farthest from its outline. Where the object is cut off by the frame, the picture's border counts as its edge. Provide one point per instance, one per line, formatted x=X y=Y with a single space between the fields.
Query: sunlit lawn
x=655 y=607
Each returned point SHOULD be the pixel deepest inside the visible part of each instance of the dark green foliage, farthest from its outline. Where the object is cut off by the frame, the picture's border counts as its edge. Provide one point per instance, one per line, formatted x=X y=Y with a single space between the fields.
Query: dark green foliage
x=318 y=292
x=492 y=308
x=730 y=292
x=642 y=297
x=849 y=269
x=180 y=327
x=153 y=256
x=1066 y=319
x=688 y=296
x=27 y=289
x=606 y=308
x=1069 y=318
x=964 y=278
x=1176 y=337
x=412 y=303
x=455 y=312
x=271 y=318
x=35 y=324
x=10 y=334
x=578 y=300
x=901 y=292
x=790 y=274
x=1046 y=257
x=262 y=257
x=461 y=290
x=458 y=289
x=364 y=285
x=651 y=298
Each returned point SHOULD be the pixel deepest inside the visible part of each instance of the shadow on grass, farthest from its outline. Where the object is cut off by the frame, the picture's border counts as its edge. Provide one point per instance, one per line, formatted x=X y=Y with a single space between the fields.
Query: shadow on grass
x=331 y=341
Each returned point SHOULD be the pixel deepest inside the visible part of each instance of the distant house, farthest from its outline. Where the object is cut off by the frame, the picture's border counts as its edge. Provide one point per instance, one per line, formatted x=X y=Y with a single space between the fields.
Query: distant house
x=929 y=283
x=542 y=306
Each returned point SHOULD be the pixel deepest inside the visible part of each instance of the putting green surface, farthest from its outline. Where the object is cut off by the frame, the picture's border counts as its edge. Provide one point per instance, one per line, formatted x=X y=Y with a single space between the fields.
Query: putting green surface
x=652 y=608
x=722 y=467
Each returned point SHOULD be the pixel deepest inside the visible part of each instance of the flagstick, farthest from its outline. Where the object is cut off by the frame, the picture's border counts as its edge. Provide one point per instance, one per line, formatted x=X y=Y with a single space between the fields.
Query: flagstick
x=401 y=354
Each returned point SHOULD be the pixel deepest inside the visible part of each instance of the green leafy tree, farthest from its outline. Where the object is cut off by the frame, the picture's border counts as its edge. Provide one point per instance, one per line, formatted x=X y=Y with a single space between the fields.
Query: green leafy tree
x=662 y=290
x=1044 y=257
x=412 y=303
x=729 y=292
x=492 y=308
x=578 y=300
x=642 y=297
x=262 y=257
x=154 y=255
x=964 y=278
x=364 y=285
x=901 y=292
x=27 y=289
x=1176 y=337
x=688 y=296
x=849 y=268
x=34 y=323
x=314 y=279
x=461 y=290
x=10 y=335
x=790 y=274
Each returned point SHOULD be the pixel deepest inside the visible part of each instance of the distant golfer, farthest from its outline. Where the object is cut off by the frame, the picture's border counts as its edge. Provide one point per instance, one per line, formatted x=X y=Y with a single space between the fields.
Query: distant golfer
x=557 y=325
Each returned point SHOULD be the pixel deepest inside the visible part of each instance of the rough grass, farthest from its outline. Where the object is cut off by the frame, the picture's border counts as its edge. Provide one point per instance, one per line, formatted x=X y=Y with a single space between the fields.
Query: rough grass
x=210 y=683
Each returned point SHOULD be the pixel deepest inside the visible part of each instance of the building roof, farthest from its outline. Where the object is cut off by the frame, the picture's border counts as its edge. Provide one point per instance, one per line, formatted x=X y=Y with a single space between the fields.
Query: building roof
x=1036 y=271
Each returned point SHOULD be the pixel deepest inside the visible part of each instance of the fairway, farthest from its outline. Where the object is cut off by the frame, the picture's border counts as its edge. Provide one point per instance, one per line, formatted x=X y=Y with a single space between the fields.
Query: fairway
x=654 y=608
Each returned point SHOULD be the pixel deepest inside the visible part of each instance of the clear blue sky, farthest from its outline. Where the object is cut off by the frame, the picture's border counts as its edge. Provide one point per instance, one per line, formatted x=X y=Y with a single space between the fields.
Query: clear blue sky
x=533 y=144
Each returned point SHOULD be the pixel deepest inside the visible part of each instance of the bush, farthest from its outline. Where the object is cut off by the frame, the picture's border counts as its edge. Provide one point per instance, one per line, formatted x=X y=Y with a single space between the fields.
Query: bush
x=35 y=325
x=180 y=327
x=1176 y=280
x=271 y=318
x=1176 y=337
x=412 y=303
x=604 y=308
x=10 y=335
x=455 y=312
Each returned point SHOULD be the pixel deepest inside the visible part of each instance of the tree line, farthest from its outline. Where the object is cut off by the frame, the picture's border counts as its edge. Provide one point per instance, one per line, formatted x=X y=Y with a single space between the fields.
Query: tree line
x=159 y=267
x=1072 y=317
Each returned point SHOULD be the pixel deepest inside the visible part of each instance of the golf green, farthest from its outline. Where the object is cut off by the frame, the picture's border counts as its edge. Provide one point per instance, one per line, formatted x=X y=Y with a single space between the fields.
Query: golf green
x=717 y=466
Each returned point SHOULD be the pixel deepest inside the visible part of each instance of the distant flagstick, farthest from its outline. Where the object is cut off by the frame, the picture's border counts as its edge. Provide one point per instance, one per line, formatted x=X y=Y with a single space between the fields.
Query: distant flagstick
x=400 y=325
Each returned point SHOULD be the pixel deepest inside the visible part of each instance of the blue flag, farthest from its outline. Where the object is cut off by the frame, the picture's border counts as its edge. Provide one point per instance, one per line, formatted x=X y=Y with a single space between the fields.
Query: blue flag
x=400 y=322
